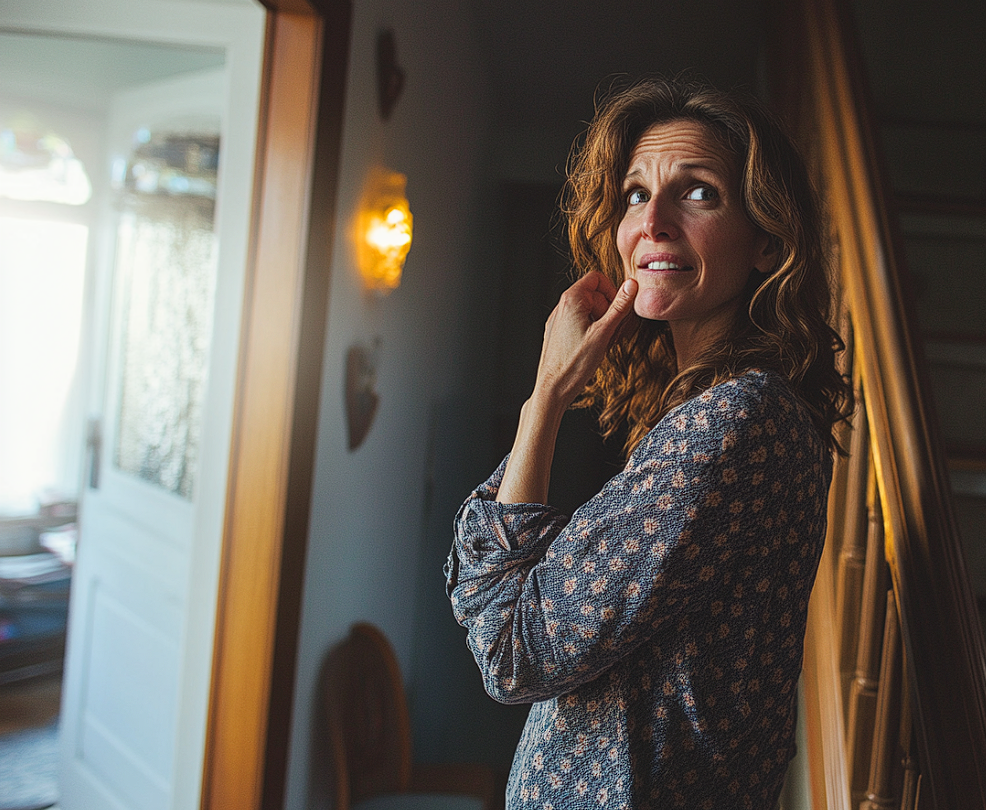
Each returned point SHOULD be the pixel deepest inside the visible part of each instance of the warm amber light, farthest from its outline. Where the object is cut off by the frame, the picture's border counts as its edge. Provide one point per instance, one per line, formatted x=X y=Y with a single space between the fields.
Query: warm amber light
x=383 y=230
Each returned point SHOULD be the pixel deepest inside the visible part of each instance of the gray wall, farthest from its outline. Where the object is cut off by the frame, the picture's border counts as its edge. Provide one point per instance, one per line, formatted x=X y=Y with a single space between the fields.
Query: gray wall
x=366 y=544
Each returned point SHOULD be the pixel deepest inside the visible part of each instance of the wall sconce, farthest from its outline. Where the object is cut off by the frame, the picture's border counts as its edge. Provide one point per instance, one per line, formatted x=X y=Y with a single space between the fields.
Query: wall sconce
x=383 y=230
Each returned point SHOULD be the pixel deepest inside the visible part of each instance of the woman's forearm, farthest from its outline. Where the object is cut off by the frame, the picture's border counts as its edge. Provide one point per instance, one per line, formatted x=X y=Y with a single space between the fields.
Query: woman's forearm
x=528 y=471
x=576 y=337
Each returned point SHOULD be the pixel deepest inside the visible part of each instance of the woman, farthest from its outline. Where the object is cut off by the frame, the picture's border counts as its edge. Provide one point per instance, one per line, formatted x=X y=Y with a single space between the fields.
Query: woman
x=659 y=631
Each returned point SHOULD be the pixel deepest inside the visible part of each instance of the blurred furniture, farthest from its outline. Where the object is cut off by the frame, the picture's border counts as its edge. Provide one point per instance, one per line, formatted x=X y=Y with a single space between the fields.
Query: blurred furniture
x=34 y=597
x=369 y=738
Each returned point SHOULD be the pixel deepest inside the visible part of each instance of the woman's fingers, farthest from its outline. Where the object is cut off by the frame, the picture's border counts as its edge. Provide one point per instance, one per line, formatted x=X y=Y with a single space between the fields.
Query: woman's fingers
x=599 y=291
x=621 y=305
x=579 y=332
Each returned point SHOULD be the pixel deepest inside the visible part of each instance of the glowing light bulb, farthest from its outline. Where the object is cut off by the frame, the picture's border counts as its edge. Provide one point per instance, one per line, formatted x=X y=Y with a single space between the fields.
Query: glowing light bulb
x=383 y=230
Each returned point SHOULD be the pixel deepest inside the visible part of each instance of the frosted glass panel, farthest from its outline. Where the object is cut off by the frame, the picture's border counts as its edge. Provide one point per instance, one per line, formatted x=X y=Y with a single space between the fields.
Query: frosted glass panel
x=166 y=259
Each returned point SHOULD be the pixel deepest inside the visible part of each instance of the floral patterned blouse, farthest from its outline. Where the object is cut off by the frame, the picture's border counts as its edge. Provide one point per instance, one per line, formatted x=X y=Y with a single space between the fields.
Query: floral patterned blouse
x=658 y=632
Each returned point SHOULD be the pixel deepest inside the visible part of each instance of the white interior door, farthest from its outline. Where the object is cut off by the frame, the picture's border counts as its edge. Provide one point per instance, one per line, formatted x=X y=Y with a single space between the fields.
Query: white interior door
x=169 y=267
x=126 y=671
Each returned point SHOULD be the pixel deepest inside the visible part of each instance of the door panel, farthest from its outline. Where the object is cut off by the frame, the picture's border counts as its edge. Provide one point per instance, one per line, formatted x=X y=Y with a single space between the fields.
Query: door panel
x=119 y=739
x=119 y=723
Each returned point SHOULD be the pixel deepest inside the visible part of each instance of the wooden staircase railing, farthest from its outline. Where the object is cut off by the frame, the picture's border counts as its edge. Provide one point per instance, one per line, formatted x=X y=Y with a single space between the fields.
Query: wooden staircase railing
x=895 y=663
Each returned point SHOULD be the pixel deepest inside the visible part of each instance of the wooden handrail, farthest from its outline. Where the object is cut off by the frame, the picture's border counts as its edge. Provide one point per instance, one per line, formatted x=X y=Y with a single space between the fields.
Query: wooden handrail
x=822 y=91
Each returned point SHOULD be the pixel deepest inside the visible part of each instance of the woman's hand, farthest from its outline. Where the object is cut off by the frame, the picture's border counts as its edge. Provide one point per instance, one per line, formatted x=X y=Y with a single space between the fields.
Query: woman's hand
x=578 y=333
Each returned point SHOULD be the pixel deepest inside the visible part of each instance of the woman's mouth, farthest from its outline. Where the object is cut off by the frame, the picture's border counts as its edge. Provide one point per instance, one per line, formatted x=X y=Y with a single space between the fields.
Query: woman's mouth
x=665 y=265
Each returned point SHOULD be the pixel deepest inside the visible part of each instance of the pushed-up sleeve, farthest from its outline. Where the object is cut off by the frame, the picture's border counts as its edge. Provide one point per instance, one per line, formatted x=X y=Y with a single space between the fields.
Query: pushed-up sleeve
x=550 y=603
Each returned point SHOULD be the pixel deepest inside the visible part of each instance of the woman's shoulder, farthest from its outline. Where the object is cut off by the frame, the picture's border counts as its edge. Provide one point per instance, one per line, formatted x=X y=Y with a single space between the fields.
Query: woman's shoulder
x=752 y=392
x=755 y=401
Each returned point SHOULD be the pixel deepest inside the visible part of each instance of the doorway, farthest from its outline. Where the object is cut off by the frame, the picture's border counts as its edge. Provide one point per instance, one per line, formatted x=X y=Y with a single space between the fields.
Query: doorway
x=140 y=633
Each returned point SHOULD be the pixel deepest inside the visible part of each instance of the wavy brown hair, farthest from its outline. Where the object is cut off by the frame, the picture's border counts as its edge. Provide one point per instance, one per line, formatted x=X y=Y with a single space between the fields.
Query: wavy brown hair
x=786 y=323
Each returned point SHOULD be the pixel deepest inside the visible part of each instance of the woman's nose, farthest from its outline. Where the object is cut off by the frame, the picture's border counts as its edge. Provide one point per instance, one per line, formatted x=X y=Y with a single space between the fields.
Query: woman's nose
x=658 y=222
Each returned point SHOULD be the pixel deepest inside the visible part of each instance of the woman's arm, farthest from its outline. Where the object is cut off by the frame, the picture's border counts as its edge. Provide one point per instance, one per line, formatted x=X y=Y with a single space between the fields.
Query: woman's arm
x=576 y=338
x=718 y=506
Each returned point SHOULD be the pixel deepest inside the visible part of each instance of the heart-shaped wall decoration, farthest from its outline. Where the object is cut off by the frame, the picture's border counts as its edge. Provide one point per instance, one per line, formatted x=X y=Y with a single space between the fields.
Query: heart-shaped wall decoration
x=361 y=396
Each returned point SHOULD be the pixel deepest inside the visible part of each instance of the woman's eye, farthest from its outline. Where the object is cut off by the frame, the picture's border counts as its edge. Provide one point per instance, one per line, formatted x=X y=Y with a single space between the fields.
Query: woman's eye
x=637 y=197
x=702 y=194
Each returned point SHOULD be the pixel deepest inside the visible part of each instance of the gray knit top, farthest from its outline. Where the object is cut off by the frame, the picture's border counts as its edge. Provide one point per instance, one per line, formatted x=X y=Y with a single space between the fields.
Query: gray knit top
x=659 y=631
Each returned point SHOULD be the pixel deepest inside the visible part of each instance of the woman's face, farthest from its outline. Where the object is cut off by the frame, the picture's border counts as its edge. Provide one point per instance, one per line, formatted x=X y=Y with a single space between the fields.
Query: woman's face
x=685 y=237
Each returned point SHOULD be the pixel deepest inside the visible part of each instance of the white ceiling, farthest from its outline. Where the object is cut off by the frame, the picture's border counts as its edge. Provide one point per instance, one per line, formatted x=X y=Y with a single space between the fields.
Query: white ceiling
x=84 y=73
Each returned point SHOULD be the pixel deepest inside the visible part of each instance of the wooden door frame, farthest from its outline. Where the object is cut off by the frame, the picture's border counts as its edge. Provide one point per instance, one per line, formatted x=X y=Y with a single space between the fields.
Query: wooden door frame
x=277 y=405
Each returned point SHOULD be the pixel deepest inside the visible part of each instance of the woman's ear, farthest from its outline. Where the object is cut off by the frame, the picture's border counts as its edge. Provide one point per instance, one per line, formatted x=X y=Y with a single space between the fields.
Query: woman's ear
x=768 y=250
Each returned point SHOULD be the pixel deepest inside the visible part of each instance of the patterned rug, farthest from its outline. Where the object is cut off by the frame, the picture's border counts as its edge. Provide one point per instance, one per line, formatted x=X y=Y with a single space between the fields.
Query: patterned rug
x=29 y=768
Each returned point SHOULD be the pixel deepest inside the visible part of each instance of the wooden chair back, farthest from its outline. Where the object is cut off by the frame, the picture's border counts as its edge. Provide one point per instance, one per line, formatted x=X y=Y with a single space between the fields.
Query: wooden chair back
x=366 y=713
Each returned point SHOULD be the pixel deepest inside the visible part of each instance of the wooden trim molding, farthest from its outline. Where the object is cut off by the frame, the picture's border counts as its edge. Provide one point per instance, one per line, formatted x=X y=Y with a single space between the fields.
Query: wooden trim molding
x=276 y=411
x=253 y=538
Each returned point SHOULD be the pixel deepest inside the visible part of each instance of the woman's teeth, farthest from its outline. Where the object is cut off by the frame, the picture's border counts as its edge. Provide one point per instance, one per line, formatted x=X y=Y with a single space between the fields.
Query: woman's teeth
x=664 y=266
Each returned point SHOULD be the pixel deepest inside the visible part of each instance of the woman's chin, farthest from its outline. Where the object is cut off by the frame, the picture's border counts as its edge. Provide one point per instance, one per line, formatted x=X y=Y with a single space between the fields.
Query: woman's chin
x=650 y=306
